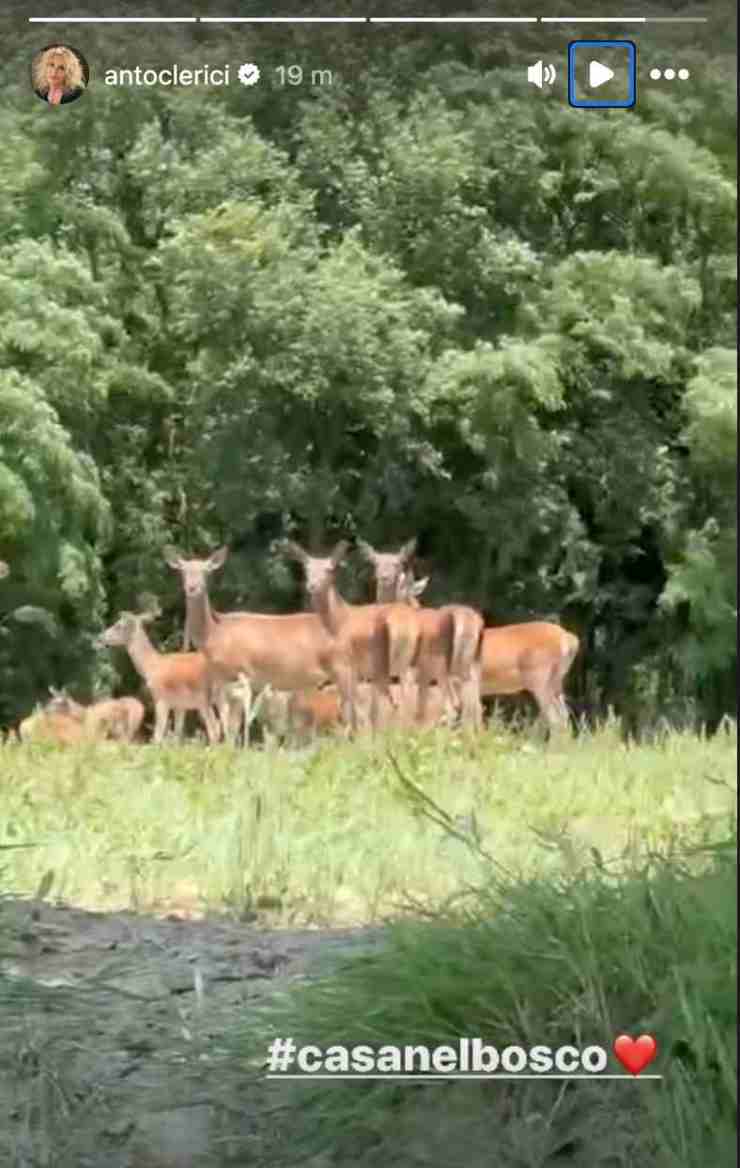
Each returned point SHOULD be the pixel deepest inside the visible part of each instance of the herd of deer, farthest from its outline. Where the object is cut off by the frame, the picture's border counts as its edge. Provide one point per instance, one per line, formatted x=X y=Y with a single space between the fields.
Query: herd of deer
x=331 y=667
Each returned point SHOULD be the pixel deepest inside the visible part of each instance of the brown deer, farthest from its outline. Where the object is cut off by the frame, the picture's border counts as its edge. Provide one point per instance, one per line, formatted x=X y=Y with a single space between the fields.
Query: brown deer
x=387 y=640
x=392 y=570
x=379 y=640
x=47 y=726
x=176 y=681
x=115 y=718
x=288 y=652
x=450 y=637
x=533 y=656
x=449 y=652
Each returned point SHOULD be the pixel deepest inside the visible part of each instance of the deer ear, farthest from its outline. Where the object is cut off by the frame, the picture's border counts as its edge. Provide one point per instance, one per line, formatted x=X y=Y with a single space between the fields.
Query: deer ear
x=418 y=586
x=366 y=550
x=172 y=557
x=294 y=550
x=218 y=558
x=408 y=550
x=339 y=552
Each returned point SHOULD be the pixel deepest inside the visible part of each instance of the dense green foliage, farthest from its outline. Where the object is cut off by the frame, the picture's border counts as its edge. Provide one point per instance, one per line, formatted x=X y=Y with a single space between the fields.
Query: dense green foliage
x=419 y=300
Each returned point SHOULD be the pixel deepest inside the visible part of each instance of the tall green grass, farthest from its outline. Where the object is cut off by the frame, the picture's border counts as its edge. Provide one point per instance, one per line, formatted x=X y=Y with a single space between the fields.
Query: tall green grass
x=535 y=894
x=333 y=835
x=575 y=959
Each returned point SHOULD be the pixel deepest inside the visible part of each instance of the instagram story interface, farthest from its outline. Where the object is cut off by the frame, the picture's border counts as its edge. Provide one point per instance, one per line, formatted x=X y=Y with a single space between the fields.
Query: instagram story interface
x=368 y=613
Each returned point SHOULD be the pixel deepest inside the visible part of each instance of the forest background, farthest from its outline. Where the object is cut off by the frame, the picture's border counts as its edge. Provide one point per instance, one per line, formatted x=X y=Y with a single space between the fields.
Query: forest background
x=426 y=298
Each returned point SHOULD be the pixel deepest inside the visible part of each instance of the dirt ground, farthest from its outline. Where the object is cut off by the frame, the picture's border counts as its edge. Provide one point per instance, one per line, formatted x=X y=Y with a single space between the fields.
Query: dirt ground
x=111 y=1025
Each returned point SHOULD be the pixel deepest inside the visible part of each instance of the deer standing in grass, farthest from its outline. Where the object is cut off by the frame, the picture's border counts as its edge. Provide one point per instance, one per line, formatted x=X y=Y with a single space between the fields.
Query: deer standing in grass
x=232 y=698
x=176 y=681
x=289 y=652
x=449 y=638
x=381 y=640
x=450 y=646
x=533 y=656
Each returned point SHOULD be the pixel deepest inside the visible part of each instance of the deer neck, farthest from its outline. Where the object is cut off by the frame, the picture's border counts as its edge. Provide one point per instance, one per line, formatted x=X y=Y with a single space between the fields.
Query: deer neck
x=142 y=652
x=402 y=593
x=199 y=620
x=332 y=609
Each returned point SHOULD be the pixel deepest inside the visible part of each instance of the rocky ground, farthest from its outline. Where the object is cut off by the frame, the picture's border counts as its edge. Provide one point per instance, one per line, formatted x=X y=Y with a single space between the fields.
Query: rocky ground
x=113 y=1027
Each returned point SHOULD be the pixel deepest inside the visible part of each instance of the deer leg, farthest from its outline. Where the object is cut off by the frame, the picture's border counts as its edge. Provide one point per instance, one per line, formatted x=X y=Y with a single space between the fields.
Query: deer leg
x=454 y=691
x=470 y=712
x=222 y=702
x=374 y=706
x=538 y=687
x=399 y=716
x=214 y=732
x=246 y=699
x=422 y=699
x=559 y=711
x=210 y=722
x=453 y=688
x=378 y=707
x=478 y=707
x=162 y=717
x=559 y=696
x=453 y=701
x=179 y=721
x=553 y=714
x=381 y=689
x=470 y=699
x=214 y=704
x=239 y=722
x=346 y=683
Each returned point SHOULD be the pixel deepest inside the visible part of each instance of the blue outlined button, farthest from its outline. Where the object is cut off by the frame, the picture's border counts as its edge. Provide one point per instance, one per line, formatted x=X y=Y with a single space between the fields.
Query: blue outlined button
x=602 y=74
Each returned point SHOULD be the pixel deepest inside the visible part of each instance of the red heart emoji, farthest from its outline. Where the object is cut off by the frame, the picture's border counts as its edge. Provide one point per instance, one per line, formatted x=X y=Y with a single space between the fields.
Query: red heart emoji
x=635 y=1053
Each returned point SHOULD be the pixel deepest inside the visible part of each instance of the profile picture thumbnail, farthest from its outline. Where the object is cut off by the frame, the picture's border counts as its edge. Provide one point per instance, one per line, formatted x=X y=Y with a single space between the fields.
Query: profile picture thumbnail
x=59 y=74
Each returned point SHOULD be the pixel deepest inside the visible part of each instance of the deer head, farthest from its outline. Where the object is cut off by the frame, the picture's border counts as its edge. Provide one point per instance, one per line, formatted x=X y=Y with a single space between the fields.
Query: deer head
x=195 y=572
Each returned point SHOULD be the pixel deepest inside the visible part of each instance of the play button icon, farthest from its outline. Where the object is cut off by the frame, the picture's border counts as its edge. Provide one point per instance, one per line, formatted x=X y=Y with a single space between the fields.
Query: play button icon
x=598 y=74
x=609 y=67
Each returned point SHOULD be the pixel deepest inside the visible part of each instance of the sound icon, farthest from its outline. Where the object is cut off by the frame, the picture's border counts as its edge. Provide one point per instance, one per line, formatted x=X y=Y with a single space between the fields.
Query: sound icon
x=535 y=74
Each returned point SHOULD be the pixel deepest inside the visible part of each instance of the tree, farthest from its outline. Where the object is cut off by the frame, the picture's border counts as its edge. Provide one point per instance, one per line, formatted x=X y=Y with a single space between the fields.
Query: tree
x=54 y=519
x=701 y=589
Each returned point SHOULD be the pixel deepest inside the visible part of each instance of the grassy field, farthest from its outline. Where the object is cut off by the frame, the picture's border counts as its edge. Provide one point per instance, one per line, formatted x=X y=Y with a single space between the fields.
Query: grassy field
x=533 y=893
x=337 y=835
